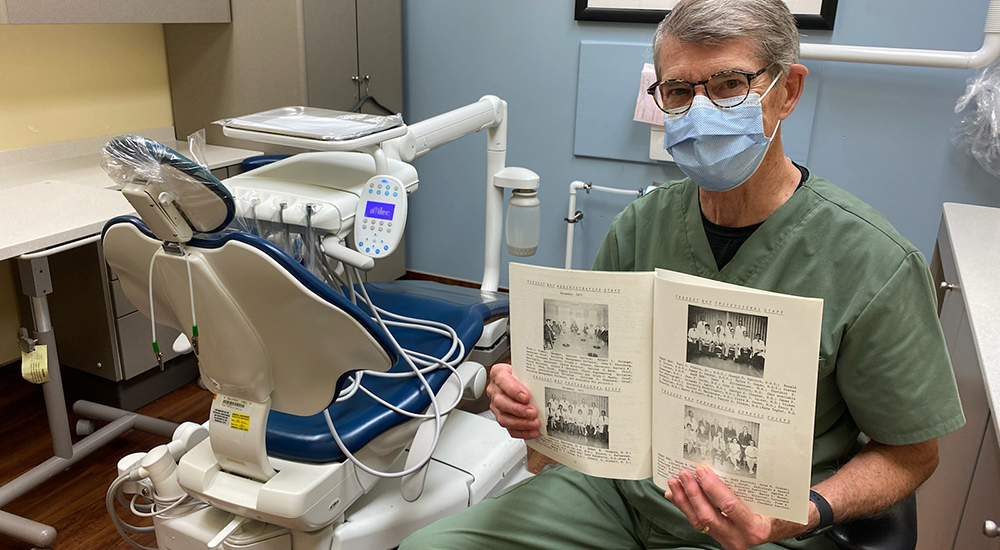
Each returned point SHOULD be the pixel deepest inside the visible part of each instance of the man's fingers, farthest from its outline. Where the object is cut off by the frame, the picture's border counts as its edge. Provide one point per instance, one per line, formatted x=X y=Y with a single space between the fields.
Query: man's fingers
x=503 y=404
x=523 y=434
x=680 y=500
x=703 y=510
x=503 y=379
x=514 y=422
x=723 y=497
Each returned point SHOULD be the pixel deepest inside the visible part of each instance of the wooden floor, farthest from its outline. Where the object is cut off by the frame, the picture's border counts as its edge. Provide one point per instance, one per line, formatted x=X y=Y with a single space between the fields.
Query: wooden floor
x=73 y=501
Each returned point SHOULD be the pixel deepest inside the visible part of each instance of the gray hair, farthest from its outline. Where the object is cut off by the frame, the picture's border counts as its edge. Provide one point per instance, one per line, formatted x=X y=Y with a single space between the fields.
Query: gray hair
x=769 y=23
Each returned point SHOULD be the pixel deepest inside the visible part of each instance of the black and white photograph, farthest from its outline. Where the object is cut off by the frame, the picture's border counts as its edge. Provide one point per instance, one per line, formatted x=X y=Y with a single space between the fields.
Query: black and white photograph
x=726 y=443
x=576 y=328
x=727 y=340
x=580 y=418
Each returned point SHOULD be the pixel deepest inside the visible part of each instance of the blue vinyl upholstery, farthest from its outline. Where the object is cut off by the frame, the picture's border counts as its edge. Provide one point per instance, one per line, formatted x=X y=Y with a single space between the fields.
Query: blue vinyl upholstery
x=360 y=419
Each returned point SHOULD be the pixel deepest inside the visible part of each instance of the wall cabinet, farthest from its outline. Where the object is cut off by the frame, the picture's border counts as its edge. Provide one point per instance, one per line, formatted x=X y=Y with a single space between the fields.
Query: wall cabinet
x=277 y=53
x=39 y=12
x=961 y=495
x=284 y=52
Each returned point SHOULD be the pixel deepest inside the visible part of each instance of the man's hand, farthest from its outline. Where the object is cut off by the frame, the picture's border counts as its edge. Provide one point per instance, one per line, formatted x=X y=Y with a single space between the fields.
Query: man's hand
x=509 y=402
x=711 y=507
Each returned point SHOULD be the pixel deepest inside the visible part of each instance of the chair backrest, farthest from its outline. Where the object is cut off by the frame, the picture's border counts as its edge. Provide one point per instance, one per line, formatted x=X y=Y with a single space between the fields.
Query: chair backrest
x=267 y=328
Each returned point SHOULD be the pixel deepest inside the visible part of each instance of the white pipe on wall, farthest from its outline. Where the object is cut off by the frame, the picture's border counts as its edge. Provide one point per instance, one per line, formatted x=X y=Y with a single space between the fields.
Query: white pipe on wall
x=913 y=57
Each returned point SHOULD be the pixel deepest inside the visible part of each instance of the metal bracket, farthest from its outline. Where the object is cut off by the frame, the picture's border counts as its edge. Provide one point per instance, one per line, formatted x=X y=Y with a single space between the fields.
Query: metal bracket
x=24 y=342
x=35 y=280
x=575 y=219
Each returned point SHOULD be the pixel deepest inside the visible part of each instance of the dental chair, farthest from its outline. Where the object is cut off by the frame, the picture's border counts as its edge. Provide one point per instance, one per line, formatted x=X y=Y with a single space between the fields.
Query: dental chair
x=282 y=463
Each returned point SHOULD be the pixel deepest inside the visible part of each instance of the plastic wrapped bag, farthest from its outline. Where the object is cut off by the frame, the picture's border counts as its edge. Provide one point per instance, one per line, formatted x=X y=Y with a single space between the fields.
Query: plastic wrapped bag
x=978 y=133
x=203 y=201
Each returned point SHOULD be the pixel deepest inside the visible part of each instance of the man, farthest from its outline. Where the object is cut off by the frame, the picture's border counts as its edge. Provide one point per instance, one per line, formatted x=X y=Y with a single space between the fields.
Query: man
x=758 y=350
x=729 y=433
x=745 y=346
x=750 y=454
x=748 y=215
x=744 y=439
x=719 y=342
x=733 y=342
x=602 y=427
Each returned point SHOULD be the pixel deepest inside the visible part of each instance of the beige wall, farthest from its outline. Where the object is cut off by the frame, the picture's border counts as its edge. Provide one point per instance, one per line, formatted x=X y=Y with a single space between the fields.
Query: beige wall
x=66 y=82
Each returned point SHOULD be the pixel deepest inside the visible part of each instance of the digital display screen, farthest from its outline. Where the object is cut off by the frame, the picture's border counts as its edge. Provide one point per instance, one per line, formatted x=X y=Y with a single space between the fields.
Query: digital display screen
x=379 y=210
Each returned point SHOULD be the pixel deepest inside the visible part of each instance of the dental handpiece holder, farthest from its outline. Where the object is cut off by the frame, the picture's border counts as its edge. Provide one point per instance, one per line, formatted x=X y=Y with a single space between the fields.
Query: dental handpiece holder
x=331 y=183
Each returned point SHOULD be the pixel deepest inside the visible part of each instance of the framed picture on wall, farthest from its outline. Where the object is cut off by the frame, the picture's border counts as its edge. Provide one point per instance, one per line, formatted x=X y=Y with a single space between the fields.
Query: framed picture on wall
x=810 y=14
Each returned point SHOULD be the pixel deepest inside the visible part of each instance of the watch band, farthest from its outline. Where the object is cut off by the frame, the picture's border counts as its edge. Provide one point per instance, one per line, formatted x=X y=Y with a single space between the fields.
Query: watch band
x=825 y=516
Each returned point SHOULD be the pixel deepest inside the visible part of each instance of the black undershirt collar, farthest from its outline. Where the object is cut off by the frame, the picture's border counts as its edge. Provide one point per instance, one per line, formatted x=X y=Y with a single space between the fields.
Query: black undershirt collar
x=726 y=241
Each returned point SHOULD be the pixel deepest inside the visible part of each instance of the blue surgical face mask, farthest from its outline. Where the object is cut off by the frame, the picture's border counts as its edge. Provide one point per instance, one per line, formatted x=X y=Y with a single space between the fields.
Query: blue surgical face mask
x=718 y=148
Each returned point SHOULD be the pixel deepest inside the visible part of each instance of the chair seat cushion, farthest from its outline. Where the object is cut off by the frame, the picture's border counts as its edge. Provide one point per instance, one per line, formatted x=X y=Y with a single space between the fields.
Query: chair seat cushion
x=360 y=419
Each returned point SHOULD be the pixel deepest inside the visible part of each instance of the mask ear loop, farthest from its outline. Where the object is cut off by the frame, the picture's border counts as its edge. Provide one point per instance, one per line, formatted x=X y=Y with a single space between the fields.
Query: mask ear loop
x=768 y=90
x=761 y=101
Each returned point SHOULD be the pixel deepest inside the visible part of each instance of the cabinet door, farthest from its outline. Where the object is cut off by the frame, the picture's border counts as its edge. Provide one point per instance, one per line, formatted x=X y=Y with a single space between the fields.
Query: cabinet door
x=331 y=46
x=380 y=52
x=941 y=499
x=983 y=503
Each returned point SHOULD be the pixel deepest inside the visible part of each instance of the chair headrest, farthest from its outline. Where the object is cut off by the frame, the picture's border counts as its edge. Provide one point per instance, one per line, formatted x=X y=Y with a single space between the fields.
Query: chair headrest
x=173 y=183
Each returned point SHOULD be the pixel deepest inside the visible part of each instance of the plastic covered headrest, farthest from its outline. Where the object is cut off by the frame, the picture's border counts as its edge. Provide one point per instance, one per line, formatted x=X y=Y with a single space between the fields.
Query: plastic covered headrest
x=205 y=203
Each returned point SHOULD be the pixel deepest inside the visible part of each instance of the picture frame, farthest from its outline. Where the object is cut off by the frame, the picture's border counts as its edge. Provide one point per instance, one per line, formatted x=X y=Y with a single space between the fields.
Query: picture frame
x=809 y=14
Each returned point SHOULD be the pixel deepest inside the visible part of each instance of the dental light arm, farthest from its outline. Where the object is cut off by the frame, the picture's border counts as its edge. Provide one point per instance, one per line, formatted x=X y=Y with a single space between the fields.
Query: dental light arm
x=920 y=58
x=489 y=113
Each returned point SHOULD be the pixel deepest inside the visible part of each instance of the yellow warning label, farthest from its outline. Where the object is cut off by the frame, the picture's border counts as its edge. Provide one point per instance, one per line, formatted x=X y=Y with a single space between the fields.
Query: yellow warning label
x=35 y=365
x=240 y=422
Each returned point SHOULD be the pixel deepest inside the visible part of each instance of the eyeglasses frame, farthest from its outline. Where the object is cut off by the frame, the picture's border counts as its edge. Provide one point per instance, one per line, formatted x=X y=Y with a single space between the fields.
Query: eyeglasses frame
x=750 y=78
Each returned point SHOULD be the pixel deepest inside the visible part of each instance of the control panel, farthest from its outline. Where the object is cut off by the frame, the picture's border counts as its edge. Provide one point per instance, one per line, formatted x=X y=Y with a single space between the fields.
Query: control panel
x=380 y=217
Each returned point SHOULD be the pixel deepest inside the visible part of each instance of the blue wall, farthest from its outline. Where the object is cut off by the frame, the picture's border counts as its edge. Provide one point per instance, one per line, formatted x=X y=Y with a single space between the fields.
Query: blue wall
x=881 y=132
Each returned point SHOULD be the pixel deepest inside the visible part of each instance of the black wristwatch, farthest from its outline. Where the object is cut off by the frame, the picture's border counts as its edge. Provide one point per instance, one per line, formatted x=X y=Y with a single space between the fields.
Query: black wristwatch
x=825 y=516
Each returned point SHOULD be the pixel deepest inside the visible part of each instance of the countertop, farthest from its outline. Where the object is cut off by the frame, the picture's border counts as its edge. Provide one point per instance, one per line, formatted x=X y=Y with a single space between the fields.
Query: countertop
x=975 y=240
x=58 y=193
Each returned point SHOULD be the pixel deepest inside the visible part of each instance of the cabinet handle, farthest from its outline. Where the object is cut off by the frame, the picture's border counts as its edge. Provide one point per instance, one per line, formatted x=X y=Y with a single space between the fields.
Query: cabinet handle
x=945 y=285
x=991 y=529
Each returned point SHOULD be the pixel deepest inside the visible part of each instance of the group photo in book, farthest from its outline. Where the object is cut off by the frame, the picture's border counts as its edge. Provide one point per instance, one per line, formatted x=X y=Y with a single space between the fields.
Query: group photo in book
x=727 y=340
x=576 y=328
x=574 y=417
x=729 y=444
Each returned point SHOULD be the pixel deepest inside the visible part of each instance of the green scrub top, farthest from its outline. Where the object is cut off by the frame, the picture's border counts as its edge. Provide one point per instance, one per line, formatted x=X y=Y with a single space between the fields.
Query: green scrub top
x=884 y=369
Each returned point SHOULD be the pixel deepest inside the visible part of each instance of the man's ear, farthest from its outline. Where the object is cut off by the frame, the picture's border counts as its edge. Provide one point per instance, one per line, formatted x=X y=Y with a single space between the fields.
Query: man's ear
x=793 y=85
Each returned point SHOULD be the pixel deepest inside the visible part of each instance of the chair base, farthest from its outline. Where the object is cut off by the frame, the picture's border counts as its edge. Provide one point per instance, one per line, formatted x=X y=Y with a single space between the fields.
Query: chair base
x=474 y=459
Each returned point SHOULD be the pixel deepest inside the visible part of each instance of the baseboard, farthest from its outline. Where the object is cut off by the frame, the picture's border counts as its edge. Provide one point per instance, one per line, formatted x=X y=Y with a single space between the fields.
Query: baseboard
x=424 y=276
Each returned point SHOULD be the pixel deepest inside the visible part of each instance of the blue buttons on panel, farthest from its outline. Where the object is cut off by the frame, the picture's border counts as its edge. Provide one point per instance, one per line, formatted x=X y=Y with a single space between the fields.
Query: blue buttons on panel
x=386 y=248
x=369 y=191
x=368 y=250
x=394 y=194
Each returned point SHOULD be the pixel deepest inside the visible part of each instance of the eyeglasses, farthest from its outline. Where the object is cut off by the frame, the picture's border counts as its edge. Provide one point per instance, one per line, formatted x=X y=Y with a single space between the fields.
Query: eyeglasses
x=725 y=89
